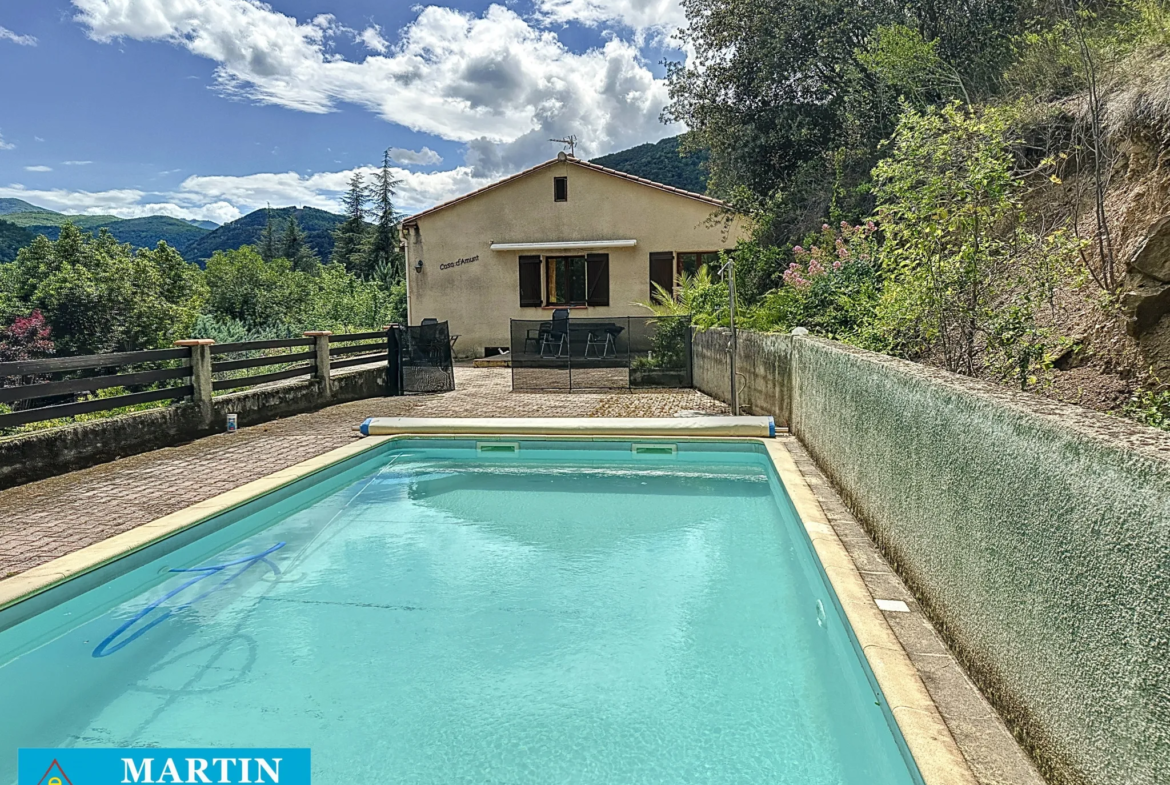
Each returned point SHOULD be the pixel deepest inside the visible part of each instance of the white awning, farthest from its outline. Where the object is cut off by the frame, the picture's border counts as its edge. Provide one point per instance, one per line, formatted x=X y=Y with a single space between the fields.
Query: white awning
x=564 y=245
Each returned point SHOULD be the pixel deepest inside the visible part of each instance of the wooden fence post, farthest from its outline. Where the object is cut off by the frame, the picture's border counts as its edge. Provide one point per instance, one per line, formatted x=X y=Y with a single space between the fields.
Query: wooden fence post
x=200 y=375
x=321 y=374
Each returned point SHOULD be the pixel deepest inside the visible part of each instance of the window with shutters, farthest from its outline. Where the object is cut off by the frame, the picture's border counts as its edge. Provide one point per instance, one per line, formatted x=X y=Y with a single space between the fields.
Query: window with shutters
x=689 y=262
x=530 y=293
x=597 y=279
x=560 y=189
x=661 y=274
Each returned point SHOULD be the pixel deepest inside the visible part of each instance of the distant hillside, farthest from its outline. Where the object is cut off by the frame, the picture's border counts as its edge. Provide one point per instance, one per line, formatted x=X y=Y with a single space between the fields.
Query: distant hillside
x=318 y=226
x=147 y=232
x=139 y=232
x=661 y=163
x=12 y=239
x=18 y=206
x=39 y=219
x=208 y=225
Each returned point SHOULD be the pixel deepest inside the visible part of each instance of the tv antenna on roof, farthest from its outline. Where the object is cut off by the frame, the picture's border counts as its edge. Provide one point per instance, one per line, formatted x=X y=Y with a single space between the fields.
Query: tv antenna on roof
x=570 y=142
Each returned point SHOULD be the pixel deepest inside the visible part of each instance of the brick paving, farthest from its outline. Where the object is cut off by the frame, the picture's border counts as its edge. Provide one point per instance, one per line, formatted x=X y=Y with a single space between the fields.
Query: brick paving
x=43 y=520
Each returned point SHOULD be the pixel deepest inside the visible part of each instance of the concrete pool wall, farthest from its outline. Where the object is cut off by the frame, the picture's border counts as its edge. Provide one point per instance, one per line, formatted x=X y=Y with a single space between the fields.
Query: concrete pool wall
x=1036 y=534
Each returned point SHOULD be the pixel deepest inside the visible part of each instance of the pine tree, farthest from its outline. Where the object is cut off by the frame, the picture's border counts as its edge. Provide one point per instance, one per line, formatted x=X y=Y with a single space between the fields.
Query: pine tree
x=296 y=250
x=268 y=249
x=385 y=257
x=350 y=241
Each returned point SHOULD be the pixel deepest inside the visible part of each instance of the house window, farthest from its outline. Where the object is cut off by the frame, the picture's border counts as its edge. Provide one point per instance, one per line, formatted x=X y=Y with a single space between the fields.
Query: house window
x=530 y=293
x=691 y=261
x=560 y=189
x=565 y=280
x=661 y=274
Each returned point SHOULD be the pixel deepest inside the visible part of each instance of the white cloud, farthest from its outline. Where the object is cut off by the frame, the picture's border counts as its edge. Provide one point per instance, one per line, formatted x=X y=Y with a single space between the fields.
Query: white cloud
x=226 y=198
x=22 y=40
x=417 y=191
x=640 y=15
x=487 y=80
x=6 y=145
x=38 y=168
x=423 y=157
x=76 y=163
x=124 y=203
x=372 y=38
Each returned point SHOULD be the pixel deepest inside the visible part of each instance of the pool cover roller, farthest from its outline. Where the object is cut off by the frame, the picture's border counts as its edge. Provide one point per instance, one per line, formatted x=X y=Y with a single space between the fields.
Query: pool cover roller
x=758 y=427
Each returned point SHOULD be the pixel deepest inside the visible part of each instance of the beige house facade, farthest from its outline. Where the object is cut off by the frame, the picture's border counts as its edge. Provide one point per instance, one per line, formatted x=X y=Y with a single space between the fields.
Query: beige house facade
x=563 y=234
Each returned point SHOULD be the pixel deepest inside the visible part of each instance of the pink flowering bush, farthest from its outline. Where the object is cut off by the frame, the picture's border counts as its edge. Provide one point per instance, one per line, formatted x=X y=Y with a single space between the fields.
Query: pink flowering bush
x=836 y=249
x=830 y=287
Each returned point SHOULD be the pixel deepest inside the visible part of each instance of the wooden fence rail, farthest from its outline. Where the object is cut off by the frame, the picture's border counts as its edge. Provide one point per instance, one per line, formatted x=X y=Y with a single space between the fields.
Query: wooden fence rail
x=185 y=372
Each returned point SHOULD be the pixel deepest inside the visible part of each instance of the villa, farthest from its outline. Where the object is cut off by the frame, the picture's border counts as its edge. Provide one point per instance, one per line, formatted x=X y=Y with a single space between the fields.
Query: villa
x=564 y=234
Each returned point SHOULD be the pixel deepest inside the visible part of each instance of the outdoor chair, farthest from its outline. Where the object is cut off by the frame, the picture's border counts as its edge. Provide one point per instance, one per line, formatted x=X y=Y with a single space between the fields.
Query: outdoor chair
x=601 y=341
x=428 y=337
x=556 y=338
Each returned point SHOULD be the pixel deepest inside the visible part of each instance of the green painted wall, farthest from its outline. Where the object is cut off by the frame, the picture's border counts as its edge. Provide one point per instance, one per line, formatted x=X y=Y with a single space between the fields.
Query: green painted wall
x=1036 y=534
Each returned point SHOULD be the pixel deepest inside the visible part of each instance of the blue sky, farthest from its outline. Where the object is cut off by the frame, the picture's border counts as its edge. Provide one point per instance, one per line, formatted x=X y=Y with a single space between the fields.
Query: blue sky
x=208 y=109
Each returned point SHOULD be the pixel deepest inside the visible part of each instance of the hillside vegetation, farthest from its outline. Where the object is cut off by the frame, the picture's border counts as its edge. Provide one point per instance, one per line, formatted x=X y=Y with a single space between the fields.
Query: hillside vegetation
x=318 y=226
x=10 y=206
x=661 y=162
x=144 y=232
x=139 y=232
x=976 y=186
x=12 y=239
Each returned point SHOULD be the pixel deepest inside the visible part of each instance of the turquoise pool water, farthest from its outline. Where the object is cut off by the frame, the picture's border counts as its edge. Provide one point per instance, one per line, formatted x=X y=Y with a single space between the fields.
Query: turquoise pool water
x=428 y=613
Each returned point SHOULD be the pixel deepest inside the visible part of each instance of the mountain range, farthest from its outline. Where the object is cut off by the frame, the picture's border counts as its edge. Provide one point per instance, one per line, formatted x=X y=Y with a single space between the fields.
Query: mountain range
x=20 y=221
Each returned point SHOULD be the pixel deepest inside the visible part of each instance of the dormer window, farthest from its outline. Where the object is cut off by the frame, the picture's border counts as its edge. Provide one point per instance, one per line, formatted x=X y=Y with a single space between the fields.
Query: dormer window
x=560 y=189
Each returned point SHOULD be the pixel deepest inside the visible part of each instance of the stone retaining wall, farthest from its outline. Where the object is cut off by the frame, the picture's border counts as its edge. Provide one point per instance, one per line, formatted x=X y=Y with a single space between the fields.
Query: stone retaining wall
x=1036 y=534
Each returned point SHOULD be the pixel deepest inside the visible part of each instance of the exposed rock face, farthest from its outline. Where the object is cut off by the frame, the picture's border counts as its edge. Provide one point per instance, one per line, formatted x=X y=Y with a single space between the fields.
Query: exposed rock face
x=1152 y=257
x=1145 y=302
x=1147 y=296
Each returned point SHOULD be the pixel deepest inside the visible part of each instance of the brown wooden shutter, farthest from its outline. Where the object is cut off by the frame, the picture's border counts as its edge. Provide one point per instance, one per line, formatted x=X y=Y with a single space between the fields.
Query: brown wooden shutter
x=661 y=273
x=597 y=279
x=530 y=282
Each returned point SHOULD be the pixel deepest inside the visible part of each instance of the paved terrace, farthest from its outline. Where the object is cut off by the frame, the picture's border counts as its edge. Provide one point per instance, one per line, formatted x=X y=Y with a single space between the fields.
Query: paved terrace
x=43 y=520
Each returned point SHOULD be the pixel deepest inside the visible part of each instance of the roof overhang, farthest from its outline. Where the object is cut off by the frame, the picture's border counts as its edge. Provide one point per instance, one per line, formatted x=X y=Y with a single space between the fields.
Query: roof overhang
x=564 y=245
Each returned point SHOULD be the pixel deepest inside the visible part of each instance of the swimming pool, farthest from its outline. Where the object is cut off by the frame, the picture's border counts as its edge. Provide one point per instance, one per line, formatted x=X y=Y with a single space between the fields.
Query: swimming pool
x=433 y=611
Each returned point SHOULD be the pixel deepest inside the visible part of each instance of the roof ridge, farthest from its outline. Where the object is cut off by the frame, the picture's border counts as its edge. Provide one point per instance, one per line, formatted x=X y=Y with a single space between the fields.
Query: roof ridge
x=562 y=158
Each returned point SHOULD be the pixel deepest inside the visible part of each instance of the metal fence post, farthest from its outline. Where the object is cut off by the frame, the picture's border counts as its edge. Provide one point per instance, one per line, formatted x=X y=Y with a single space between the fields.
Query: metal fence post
x=200 y=363
x=393 y=362
x=322 y=373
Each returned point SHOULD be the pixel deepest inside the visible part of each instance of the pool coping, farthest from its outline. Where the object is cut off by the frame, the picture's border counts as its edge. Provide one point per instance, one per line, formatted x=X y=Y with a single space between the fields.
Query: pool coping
x=929 y=740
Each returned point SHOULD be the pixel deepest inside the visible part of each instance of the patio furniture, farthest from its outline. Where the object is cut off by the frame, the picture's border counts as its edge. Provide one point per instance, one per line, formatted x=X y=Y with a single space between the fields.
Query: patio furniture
x=557 y=335
x=603 y=340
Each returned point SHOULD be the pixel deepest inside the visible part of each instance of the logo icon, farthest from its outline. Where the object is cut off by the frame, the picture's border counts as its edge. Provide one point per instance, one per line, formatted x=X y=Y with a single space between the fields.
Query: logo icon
x=61 y=778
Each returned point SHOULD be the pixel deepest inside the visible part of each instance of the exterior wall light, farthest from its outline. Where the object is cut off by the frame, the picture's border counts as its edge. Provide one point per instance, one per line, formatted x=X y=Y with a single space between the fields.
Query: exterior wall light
x=418 y=266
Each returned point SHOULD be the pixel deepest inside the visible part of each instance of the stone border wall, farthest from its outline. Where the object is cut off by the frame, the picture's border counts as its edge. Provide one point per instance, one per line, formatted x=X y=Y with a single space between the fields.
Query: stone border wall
x=1036 y=535
x=41 y=454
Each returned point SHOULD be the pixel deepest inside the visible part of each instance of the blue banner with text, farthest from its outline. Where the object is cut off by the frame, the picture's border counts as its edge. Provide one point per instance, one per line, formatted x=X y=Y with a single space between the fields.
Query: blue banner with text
x=153 y=765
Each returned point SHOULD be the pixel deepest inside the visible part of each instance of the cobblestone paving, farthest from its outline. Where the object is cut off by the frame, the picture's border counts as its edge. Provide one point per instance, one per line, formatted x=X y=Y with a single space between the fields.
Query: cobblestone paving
x=43 y=520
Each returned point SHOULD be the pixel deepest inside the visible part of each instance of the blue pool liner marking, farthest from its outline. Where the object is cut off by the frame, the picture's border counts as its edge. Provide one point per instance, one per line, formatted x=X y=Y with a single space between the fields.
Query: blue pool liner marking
x=365 y=429
x=104 y=649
